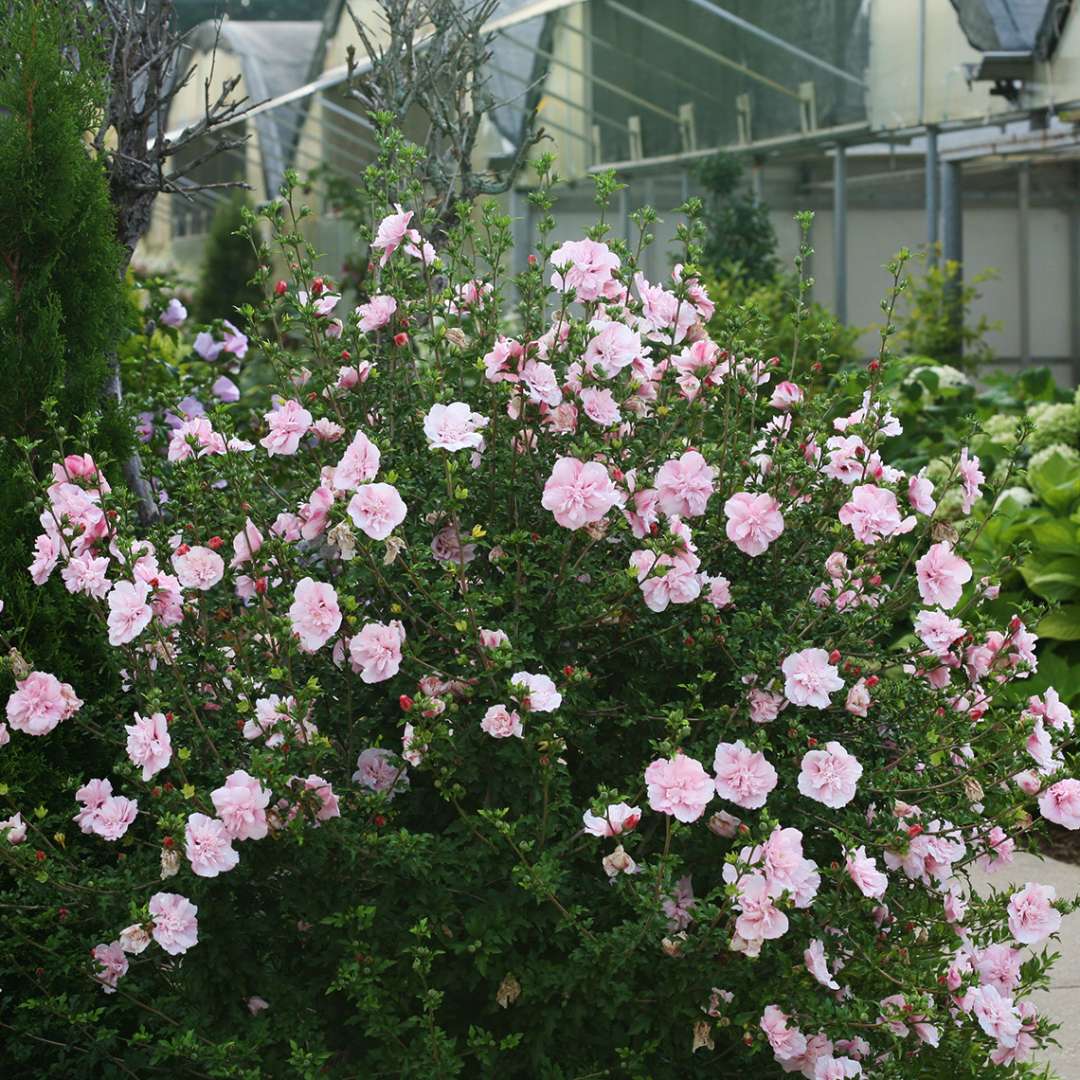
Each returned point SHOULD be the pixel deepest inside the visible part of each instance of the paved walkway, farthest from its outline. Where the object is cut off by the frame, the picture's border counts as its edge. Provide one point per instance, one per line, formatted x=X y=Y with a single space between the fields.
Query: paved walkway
x=1062 y=1001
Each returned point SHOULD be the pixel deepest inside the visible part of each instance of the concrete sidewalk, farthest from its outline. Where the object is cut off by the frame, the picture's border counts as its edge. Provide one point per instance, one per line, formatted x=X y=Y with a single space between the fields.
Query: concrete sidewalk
x=1062 y=1001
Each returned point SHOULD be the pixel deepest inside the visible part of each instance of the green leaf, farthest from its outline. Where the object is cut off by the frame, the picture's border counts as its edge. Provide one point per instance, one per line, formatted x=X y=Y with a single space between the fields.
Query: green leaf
x=1052 y=579
x=1063 y=624
x=1056 y=481
x=1057 y=536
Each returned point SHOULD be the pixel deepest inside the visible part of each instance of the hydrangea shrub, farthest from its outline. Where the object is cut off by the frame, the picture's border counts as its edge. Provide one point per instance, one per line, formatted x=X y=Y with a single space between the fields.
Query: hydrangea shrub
x=560 y=694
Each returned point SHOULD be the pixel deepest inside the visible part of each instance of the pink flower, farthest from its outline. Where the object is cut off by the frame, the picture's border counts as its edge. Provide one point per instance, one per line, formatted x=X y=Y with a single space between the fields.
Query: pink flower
x=600 y=406
x=578 y=492
x=288 y=425
x=175 y=927
x=241 y=805
x=1032 y=916
x=208 y=846
x=328 y=801
x=129 y=611
x=40 y=702
x=1002 y=848
x=148 y=744
x=753 y=522
x=615 y=347
x=1060 y=803
x=858 y=699
x=818 y=965
x=786 y=395
x=760 y=919
x=786 y=1042
x=377 y=509
x=743 y=776
x=828 y=1067
x=173 y=315
x=862 y=869
x=1050 y=706
x=667 y=579
x=617 y=819
x=315 y=513
x=500 y=723
x=920 y=494
x=114 y=965
x=999 y=966
x=942 y=576
x=46 y=552
x=199 y=568
x=256 y=1004
x=810 y=678
x=454 y=427
x=111 y=819
x=358 y=465
x=446 y=546
x=765 y=706
x=873 y=514
x=376 y=313
x=493 y=639
x=586 y=267
x=225 y=390
x=540 y=694
x=717 y=590
x=937 y=631
x=971 y=477
x=378 y=770
x=996 y=1014
x=326 y=430
x=195 y=438
x=376 y=651
x=679 y=786
x=14 y=828
x=829 y=776
x=684 y=485
x=86 y=574
x=93 y=796
x=392 y=231
x=314 y=614
x=245 y=544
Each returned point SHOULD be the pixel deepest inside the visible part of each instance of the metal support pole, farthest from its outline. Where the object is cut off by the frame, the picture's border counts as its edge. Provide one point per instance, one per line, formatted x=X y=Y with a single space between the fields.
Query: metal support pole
x=650 y=267
x=1074 y=291
x=931 y=195
x=840 y=231
x=953 y=245
x=1023 y=257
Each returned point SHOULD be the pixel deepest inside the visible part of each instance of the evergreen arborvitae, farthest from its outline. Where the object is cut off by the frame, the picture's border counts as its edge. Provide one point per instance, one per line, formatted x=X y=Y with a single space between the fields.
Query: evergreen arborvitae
x=62 y=302
x=229 y=264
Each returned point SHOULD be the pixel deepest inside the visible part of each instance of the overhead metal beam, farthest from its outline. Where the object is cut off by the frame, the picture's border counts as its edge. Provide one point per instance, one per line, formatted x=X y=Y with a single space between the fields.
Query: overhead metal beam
x=780 y=43
x=689 y=43
x=619 y=91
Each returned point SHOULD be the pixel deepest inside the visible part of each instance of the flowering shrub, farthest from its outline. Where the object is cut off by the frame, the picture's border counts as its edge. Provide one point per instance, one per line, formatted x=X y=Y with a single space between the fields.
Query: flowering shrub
x=568 y=696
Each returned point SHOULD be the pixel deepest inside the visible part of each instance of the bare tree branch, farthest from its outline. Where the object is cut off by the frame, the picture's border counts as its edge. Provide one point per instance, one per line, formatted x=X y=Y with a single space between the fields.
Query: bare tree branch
x=435 y=59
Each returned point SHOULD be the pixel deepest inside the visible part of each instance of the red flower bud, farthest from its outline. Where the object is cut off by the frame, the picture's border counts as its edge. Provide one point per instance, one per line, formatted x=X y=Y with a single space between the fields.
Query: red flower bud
x=62 y=914
x=915 y=830
x=834 y=656
x=872 y=680
x=39 y=855
x=183 y=549
x=815 y=366
x=401 y=340
x=532 y=259
x=1015 y=624
x=568 y=670
x=168 y=785
x=260 y=586
x=874 y=365
x=405 y=702
x=380 y=821
x=811 y=741
x=168 y=842
x=155 y=791
x=317 y=286
x=214 y=543
x=280 y=288
x=345 y=354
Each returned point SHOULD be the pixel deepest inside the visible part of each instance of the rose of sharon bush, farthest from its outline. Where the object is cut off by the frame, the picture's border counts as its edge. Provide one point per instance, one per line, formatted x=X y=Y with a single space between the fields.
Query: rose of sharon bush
x=704 y=804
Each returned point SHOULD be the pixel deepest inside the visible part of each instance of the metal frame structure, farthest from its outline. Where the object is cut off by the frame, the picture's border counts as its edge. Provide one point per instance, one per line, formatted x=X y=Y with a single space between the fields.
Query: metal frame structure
x=945 y=153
